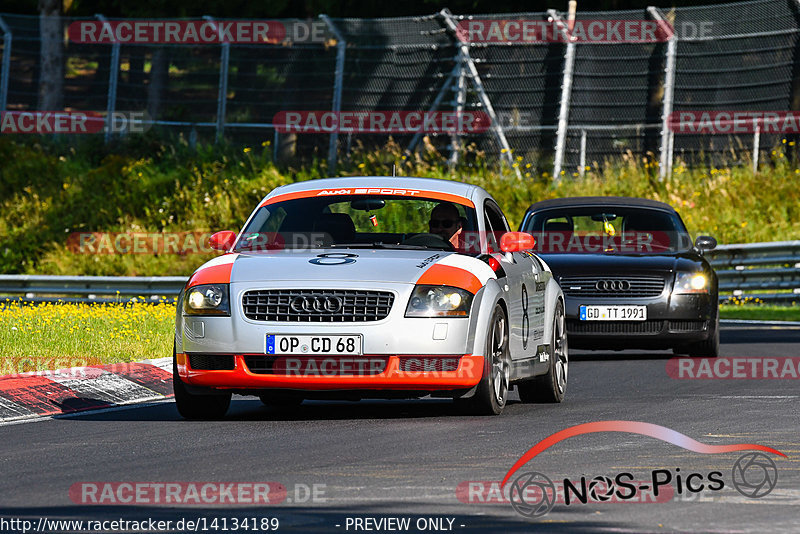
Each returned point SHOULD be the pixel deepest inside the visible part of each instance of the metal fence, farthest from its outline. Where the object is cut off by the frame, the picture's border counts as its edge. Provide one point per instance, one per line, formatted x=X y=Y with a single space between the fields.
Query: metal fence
x=768 y=272
x=558 y=106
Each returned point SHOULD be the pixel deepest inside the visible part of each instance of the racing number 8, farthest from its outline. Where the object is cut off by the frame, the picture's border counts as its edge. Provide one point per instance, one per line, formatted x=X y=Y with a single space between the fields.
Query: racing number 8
x=525 y=320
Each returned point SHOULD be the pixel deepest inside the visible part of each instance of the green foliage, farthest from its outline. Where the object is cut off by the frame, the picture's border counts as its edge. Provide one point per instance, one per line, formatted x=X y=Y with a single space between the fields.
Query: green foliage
x=51 y=188
x=764 y=312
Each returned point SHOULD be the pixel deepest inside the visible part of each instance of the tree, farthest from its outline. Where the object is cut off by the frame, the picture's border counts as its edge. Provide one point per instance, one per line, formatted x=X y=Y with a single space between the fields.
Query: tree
x=51 y=77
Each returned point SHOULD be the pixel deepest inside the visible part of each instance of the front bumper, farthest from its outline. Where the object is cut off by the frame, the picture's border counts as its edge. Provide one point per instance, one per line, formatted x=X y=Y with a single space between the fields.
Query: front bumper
x=672 y=321
x=242 y=378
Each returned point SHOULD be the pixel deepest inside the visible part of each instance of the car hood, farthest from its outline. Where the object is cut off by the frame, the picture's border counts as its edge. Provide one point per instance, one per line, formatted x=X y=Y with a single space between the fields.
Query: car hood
x=582 y=264
x=360 y=265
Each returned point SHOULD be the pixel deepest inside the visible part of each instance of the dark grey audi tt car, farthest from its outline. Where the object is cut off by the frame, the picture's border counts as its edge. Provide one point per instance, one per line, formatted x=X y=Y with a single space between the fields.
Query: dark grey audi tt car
x=631 y=275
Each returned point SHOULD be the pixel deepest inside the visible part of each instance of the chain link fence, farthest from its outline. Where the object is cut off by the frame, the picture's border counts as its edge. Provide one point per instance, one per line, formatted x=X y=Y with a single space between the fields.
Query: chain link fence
x=556 y=105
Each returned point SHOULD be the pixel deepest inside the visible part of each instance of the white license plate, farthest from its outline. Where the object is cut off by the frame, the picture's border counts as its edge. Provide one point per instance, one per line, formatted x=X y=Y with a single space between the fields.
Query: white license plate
x=308 y=344
x=613 y=313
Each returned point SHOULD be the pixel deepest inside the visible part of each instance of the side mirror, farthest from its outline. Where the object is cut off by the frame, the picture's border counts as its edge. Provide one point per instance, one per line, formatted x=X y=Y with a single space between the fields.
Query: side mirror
x=705 y=242
x=222 y=240
x=517 y=242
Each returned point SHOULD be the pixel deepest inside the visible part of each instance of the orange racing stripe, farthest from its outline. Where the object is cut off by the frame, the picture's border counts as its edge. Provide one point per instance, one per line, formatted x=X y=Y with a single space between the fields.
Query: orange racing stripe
x=450 y=276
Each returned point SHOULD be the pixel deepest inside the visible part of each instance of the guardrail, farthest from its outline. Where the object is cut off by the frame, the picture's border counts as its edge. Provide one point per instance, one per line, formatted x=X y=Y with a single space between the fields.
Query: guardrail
x=90 y=288
x=766 y=271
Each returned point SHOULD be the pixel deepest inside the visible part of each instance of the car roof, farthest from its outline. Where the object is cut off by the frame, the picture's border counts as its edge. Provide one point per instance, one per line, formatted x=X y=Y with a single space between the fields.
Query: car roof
x=571 y=202
x=407 y=182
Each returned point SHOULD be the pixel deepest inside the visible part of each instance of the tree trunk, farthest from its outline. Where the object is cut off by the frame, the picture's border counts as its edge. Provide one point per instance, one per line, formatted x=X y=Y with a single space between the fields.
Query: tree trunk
x=51 y=78
x=158 y=78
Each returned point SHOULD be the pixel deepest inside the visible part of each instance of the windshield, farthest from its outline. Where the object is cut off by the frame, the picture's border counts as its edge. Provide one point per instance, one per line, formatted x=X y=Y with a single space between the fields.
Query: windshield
x=607 y=230
x=363 y=221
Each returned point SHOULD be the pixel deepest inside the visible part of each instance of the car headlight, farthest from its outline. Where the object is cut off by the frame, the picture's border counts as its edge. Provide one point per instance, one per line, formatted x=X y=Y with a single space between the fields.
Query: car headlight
x=207 y=299
x=691 y=283
x=439 y=301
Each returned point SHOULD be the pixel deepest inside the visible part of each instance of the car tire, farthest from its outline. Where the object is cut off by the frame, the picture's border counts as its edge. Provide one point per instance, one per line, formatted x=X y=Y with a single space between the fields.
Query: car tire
x=492 y=391
x=202 y=407
x=277 y=400
x=710 y=347
x=552 y=386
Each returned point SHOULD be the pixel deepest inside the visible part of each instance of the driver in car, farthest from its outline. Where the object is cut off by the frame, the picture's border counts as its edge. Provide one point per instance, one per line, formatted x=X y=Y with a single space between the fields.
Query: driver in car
x=446 y=222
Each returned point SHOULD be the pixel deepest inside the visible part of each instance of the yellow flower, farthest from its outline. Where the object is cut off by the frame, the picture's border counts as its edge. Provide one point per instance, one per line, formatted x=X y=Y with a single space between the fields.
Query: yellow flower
x=247 y=149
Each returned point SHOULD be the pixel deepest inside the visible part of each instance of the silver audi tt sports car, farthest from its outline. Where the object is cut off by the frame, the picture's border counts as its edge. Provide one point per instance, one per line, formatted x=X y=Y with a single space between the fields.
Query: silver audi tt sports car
x=371 y=287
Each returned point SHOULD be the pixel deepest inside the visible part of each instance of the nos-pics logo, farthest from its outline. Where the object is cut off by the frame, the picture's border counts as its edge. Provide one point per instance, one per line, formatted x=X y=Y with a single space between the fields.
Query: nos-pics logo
x=532 y=494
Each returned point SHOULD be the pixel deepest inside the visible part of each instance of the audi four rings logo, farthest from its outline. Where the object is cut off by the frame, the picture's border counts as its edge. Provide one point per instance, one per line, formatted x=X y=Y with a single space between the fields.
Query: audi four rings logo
x=612 y=285
x=316 y=304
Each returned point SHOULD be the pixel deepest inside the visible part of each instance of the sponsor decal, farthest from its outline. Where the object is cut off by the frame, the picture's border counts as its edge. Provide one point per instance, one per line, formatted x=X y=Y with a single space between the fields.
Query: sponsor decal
x=427 y=261
x=543 y=352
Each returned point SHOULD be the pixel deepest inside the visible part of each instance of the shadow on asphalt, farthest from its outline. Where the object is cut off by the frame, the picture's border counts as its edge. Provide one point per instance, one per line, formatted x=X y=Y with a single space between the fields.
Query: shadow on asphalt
x=314 y=519
x=251 y=409
x=759 y=335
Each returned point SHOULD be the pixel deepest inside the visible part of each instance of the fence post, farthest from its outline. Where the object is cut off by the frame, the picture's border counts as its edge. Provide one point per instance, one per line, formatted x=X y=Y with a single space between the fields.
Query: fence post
x=756 y=148
x=222 y=91
x=566 y=96
x=665 y=165
x=113 y=78
x=460 y=100
x=338 y=81
x=582 y=170
x=5 y=67
x=469 y=63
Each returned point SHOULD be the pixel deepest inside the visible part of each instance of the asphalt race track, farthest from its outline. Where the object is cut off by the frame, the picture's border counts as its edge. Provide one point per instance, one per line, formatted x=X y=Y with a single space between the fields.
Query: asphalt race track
x=376 y=460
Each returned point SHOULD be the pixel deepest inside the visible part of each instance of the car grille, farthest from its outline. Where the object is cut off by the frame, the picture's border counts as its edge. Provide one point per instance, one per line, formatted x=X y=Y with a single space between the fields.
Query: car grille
x=212 y=362
x=317 y=305
x=315 y=365
x=420 y=364
x=633 y=286
x=614 y=327
x=687 y=326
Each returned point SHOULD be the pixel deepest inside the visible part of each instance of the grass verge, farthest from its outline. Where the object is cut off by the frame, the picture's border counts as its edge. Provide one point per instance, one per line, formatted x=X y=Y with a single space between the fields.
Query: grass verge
x=764 y=312
x=57 y=336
